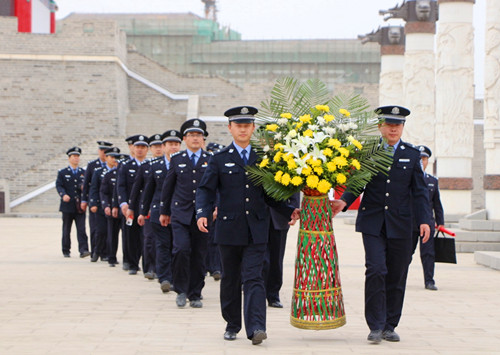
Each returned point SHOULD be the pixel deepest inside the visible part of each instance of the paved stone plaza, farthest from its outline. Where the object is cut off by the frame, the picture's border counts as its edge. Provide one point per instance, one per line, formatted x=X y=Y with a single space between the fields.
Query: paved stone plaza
x=71 y=306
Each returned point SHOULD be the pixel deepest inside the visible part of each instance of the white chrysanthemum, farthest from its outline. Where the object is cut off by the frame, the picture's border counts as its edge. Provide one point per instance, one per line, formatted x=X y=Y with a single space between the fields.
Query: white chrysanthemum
x=321 y=120
x=266 y=148
x=353 y=125
x=313 y=127
x=329 y=130
x=292 y=133
x=277 y=135
x=282 y=121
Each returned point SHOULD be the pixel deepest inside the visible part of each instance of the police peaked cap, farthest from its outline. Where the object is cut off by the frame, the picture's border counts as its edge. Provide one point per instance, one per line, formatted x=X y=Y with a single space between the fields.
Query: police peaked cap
x=104 y=144
x=155 y=139
x=194 y=125
x=424 y=151
x=212 y=147
x=392 y=114
x=171 y=135
x=139 y=139
x=241 y=114
x=74 y=151
x=113 y=151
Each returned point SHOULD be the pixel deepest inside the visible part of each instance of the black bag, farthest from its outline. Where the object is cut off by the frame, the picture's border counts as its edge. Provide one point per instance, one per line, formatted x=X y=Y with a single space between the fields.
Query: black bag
x=444 y=249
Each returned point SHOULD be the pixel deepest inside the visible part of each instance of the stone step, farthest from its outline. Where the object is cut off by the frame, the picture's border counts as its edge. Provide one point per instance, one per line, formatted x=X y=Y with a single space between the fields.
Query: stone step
x=479 y=225
x=488 y=258
x=471 y=247
x=477 y=236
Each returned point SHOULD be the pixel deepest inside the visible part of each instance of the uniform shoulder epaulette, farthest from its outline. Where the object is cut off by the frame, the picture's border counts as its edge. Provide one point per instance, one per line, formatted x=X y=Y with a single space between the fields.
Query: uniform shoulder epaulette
x=62 y=169
x=409 y=145
x=432 y=176
x=176 y=153
x=223 y=150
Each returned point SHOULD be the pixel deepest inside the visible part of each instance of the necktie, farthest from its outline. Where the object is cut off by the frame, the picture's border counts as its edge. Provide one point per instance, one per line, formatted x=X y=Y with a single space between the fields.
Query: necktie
x=193 y=160
x=244 y=156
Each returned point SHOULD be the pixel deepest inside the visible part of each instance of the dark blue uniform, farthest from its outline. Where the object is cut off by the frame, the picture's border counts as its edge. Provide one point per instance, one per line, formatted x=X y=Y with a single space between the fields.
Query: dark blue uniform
x=101 y=224
x=89 y=173
x=189 y=244
x=150 y=205
x=132 y=235
x=106 y=193
x=385 y=218
x=437 y=218
x=69 y=183
x=242 y=234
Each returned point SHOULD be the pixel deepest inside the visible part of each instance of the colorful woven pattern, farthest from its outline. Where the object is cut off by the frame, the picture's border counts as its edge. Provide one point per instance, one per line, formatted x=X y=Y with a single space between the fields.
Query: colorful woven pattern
x=317 y=297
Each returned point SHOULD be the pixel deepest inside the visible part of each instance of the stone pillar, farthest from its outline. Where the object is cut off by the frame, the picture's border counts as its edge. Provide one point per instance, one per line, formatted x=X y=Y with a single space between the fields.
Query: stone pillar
x=492 y=109
x=455 y=105
x=392 y=49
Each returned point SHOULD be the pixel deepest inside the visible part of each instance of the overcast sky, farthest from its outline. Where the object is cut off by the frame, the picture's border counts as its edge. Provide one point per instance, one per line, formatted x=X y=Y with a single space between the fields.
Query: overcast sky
x=281 y=19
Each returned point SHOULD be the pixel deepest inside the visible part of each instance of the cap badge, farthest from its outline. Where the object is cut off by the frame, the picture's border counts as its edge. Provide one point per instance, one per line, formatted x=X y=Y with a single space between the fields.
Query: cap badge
x=141 y=138
x=157 y=136
x=172 y=133
x=244 y=111
x=395 y=111
x=115 y=149
x=196 y=123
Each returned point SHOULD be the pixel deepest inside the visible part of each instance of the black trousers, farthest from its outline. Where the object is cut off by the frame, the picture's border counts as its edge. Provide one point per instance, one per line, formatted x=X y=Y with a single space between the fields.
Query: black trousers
x=243 y=265
x=273 y=266
x=213 y=254
x=93 y=228
x=134 y=241
x=81 y=235
x=387 y=262
x=112 y=238
x=427 y=255
x=149 y=251
x=163 y=237
x=188 y=259
x=101 y=234
x=124 y=227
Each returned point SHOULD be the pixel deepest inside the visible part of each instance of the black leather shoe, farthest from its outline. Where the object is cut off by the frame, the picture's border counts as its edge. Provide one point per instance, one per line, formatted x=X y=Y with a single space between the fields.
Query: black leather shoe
x=181 y=300
x=94 y=258
x=104 y=258
x=112 y=264
x=84 y=254
x=276 y=304
x=132 y=272
x=229 y=335
x=390 y=335
x=149 y=275
x=431 y=287
x=375 y=336
x=126 y=266
x=258 y=336
x=66 y=255
x=216 y=275
x=196 y=304
x=165 y=286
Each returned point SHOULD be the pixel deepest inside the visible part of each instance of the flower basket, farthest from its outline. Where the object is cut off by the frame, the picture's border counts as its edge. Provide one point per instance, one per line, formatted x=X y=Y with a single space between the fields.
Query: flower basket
x=317 y=301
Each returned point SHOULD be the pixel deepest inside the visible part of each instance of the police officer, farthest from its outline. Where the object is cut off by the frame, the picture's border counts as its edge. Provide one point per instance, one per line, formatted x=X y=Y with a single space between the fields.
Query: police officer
x=427 y=249
x=132 y=233
x=89 y=172
x=242 y=226
x=110 y=205
x=69 y=187
x=385 y=221
x=178 y=207
x=149 y=247
x=150 y=205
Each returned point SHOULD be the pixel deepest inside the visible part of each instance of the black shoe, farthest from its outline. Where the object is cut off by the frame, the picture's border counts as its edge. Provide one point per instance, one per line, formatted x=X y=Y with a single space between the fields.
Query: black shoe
x=84 y=254
x=181 y=300
x=149 y=275
x=431 y=287
x=390 y=335
x=94 y=258
x=216 y=275
x=258 y=336
x=66 y=255
x=126 y=266
x=375 y=336
x=165 y=286
x=112 y=264
x=132 y=272
x=276 y=304
x=104 y=258
x=229 y=335
x=196 y=304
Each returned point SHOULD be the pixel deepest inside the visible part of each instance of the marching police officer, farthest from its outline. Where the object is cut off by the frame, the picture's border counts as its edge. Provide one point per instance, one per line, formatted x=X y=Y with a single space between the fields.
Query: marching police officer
x=178 y=207
x=69 y=187
x=385 y=219
x=242 y=226
x=427 y=249
x=89 y=172
x=150 y=205
x=132 y=233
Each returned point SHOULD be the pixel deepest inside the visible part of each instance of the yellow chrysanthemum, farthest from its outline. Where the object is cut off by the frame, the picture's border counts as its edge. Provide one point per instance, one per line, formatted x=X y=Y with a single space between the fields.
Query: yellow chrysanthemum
x=277 y=157
x=356 y=164
x=286 y=115
x=344 y=112
x=305 y=118
x=296 y=180
x=272 y=127
x=287 y=156
x=264 y=163
x=277 y=176
x=331 y=166
x=324 y=186
x=312 y=181
x=306 y=170
x=278 y=146
x=332 y=142
x=291 y=164
x=285 y=179
x=329 y=118
x=323 y=108
x=314 y=162
x=327 y=152
x=355 y=142
x=341 y=178
x=343 y=151
x=318 y=170
x=298 y=125
x=340 y=161
x=308 y=133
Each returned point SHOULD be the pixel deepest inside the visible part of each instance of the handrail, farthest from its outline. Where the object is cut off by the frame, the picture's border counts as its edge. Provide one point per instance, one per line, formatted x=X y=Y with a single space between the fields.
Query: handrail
x=32 y=194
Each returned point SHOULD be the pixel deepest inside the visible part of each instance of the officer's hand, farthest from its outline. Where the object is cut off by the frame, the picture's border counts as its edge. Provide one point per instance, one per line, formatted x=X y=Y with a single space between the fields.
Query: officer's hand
x=66 y=198
x=114 y=212
x=294 y=217
x=130 y=214
x=202 y=224
x=337 y=206
x=425 y=232
x=141 y=220
x=107 y=211
x=125 y=209
x=214 y=215
x=440 y=226
x=93 y=209
x=83 y=206
x=164 y=220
